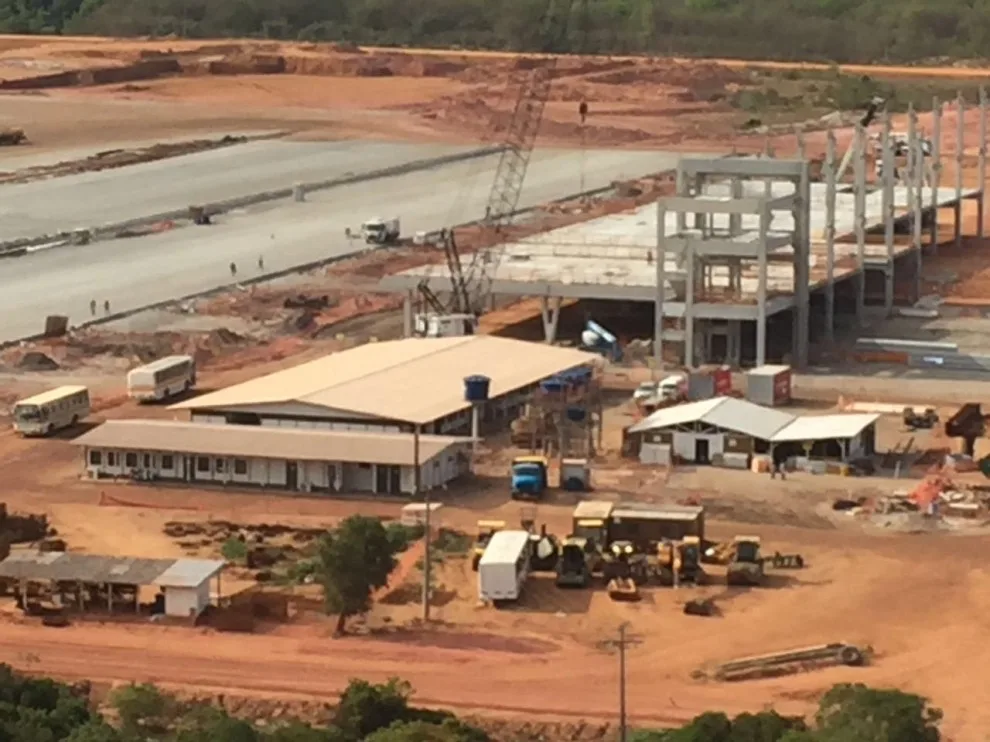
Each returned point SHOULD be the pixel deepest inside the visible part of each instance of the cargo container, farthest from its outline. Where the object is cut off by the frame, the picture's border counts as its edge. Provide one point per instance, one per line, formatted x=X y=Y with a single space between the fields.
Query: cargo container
x=708 y=383
x=769 y=386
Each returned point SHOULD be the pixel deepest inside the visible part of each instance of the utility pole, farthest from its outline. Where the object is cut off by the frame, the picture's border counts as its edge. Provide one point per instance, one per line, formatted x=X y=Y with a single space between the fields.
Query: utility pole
x=621 y=643
x=426 y=523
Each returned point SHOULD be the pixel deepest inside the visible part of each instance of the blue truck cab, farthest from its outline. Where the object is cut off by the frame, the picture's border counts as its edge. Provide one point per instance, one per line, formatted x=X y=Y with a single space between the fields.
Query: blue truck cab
x=529 y=477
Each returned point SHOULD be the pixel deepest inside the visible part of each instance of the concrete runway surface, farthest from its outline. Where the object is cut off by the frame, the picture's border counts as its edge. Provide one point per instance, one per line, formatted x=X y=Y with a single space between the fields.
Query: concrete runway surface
x=89 y=199
x=136 y=272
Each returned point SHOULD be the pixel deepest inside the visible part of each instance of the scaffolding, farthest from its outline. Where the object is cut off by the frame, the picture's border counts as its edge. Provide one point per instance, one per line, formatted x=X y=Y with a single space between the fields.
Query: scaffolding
x=562 y=420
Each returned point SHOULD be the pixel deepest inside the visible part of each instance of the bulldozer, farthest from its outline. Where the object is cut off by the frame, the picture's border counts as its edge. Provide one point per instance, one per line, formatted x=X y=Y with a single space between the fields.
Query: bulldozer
x=680 y=559
x=486 y=529
x=746 y=565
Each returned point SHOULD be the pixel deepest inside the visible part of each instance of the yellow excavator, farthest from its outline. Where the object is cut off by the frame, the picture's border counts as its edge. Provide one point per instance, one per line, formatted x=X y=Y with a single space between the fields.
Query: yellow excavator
x=681 y=559
x=486 y=529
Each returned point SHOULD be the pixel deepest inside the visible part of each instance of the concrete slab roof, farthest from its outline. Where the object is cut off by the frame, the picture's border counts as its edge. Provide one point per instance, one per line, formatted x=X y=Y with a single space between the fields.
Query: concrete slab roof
x=90 y=568
x=416 y=380
x=255 y=441
x=612 y=257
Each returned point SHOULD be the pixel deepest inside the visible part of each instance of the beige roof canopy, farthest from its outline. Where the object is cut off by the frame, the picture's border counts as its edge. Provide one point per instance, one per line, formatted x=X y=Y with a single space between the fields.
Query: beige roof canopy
x=416 y=380
x=253 y=441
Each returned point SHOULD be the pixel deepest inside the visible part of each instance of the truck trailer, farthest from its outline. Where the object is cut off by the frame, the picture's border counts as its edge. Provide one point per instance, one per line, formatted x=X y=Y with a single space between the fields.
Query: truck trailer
x=504 y=566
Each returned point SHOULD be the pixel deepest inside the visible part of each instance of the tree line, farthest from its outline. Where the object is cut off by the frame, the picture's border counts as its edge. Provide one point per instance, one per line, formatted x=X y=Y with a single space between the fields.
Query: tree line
x=43 y=710
x=826 y=30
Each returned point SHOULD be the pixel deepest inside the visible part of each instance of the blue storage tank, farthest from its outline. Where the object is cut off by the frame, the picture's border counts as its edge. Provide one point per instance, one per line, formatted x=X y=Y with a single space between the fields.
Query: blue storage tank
x=576 y=414
x=476 y=389
x=553 y=385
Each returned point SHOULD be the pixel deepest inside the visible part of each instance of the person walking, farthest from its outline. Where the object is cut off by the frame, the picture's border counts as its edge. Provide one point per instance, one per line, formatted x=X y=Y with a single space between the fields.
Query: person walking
x=233 y=270
x=92 y=307
x=261 y=262
x=106 y=307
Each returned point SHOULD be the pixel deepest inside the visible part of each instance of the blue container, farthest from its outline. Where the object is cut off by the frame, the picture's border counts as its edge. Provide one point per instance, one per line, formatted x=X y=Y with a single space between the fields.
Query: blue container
x=476 y=389
x=553 y=385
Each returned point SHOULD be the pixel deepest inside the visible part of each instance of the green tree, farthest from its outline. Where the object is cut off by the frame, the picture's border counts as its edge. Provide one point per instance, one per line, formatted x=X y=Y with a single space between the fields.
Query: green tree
x=450 y=730
x=210 y=724
x=296 y=731
x=94 y=731
x=352 y=562
x=856 y=713
x=143 y=709
x=365 y=707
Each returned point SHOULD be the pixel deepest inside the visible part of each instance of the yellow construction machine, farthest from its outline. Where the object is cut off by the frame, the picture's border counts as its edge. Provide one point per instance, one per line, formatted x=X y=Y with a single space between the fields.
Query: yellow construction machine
x=624 y=570
x=746 y=565
x=486 y=529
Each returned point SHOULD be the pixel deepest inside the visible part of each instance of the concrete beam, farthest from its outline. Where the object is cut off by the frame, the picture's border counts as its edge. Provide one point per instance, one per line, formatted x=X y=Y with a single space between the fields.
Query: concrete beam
x=717 y=205
x=717 y=247
x=743 y=166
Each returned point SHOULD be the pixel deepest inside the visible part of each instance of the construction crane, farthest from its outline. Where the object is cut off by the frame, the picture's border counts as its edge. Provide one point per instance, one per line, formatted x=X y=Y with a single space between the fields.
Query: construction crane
x=471 y=285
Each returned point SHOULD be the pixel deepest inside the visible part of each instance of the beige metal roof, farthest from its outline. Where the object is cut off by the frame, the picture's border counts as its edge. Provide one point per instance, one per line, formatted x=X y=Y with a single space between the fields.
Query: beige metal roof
x=253 y=441
x=593 y=510
x=416 y=380
x=90 y=568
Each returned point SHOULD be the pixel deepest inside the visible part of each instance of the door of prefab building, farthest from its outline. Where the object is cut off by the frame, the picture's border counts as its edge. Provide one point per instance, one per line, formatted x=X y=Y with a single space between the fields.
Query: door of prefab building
x=701 y=454
x=291 y=475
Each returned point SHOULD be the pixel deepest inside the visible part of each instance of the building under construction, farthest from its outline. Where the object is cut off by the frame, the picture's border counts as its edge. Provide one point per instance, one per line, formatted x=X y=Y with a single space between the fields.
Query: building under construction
x=750 y=260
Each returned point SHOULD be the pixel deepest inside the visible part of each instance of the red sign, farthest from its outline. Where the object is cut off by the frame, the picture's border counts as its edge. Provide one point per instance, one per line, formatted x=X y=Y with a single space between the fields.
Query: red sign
x=722 y=379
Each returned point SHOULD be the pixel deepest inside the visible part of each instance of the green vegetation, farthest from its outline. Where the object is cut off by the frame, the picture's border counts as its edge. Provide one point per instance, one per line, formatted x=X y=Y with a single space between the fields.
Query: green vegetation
x=42 y=710
x=826 y=30
x=351 y=563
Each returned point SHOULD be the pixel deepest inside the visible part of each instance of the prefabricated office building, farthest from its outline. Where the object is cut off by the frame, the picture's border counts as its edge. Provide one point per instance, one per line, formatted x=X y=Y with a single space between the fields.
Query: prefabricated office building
x=744 y=262
x=341 y=423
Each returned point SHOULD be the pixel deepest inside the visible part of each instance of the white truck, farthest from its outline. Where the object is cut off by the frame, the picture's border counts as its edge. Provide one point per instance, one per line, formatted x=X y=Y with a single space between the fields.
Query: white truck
x=378 y=231
x=504 y=566
x=445 y=325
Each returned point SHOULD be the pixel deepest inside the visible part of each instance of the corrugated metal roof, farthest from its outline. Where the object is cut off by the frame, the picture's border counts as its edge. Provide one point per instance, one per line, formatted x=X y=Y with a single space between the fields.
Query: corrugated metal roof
x=189 y=572
x=504 y=547
x=658 y=512
x=90 y=568
x=416 y=380
x=825 y=427
x=593 y=510
x=727 y=413
x=768 y=370
x=52 y=394
x=255 y=441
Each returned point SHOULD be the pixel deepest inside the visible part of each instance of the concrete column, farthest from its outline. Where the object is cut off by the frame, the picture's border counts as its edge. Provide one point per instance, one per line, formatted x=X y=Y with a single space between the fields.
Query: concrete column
x=682 y=190
x=936 y=168
x=802 y=255
x=917 y=185
x=660 y=258
x=407 y=315
x=550 y=311
x=982 y=165
x=800 y=147
x=888 y=216
x=859 y=192
x=960 y=152
x=734 y=343
x=830 y=238
x=690 y=264
x=735 y=220
x=761 y=292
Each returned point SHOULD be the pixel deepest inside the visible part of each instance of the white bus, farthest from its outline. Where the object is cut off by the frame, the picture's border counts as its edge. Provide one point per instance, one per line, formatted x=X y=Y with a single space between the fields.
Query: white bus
x=161 y=379
x=53 y=410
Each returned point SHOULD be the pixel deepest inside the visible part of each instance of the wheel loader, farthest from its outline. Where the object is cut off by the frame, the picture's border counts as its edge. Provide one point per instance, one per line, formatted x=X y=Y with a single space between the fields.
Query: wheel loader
x=681 y=559
x=486 y=529
x=746 y=566
x=624 y=570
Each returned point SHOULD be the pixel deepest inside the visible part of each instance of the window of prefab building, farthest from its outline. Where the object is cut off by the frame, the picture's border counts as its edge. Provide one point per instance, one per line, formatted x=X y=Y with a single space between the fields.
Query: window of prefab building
x=111 y=458
x=220 y=466
x=130 y=459
x=95 y=458
x=202 y=463
x=240 y=466
x=167 y=462
x=147 y=461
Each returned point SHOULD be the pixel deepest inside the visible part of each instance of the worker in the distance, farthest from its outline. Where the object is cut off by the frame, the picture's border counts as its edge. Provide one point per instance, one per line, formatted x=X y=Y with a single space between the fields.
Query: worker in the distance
x=92 y=307
x=233 y=270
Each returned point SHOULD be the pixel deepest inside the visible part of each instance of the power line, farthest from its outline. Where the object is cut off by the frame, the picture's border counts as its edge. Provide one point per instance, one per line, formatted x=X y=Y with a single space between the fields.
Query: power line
x=621 y=643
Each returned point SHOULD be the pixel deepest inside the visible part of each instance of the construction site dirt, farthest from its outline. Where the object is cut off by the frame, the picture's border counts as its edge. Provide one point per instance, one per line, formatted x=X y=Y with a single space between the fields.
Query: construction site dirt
x=877 y=575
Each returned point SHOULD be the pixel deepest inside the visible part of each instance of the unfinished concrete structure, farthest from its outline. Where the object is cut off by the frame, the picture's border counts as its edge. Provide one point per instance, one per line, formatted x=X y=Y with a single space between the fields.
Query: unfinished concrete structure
x=747 y=243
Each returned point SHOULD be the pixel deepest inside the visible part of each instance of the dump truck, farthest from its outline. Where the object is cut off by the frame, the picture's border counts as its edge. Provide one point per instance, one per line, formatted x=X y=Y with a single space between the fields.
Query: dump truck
x=573 y=569
x=379 y=231
x=530 y=477
x=486 y=529
x=746 y=565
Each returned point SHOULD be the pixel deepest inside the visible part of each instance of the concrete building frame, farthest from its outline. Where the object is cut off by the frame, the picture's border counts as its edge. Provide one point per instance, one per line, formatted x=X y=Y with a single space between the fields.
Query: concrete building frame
x=829 y=223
